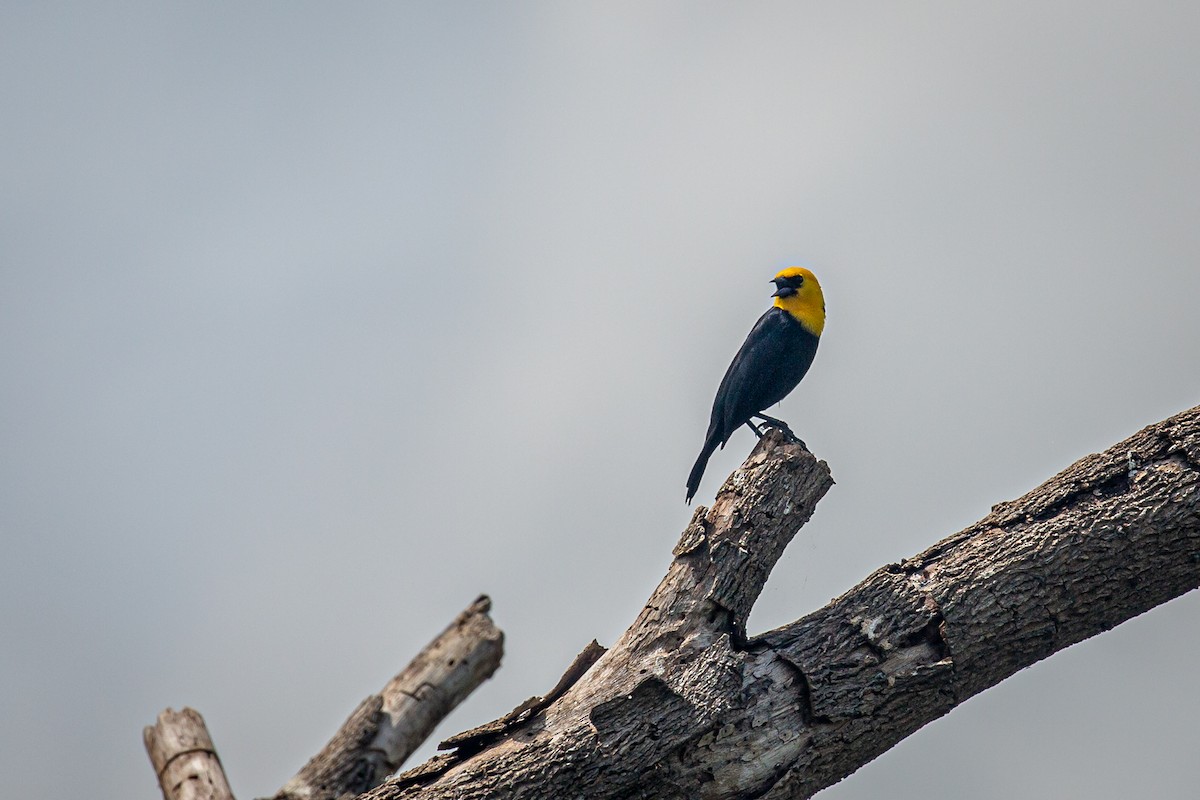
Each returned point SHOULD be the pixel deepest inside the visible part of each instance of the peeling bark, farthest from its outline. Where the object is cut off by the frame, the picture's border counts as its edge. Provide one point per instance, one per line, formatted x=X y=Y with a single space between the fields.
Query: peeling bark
x=1111 y=537
x=685 y=706
x=386 y=728
x=376 y=739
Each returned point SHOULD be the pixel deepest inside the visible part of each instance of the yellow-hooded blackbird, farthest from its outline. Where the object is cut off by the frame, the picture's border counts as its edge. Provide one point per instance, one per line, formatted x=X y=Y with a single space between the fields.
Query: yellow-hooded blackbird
x=770 y=363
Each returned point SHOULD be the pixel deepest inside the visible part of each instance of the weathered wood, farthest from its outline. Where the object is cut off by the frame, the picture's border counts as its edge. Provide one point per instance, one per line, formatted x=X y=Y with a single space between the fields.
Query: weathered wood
x=1110 y=537
x=184 y=757
x=683 y=706
x=478 y=738
x=386 y=728
x=674 y=674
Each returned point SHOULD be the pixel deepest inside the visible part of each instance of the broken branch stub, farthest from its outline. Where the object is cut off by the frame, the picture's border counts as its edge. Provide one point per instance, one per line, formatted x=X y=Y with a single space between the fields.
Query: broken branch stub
x=684 y=707
x=386 y=728
x=675 y=673
x=184 y=758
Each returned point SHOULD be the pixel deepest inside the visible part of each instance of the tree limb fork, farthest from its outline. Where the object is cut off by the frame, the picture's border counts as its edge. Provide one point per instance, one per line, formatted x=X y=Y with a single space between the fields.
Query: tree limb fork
x=685 y=706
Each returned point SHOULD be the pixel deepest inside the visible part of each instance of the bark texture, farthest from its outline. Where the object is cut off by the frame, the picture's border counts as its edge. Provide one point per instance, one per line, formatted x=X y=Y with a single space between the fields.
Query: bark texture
x=387 y=727
x=684 y=706
x=674 y=676
x=376 y=739
x=184 y=758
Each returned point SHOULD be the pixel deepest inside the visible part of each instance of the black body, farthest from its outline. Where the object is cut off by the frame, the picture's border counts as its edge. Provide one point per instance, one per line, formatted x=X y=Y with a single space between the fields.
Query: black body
x=772 y=360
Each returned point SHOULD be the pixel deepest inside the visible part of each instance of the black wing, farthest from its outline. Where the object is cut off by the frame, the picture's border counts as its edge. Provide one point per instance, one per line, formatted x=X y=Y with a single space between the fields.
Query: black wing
x=772 y=360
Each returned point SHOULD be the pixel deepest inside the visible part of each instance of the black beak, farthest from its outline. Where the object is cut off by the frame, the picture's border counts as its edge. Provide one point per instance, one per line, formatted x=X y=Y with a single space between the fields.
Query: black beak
x=781 y=289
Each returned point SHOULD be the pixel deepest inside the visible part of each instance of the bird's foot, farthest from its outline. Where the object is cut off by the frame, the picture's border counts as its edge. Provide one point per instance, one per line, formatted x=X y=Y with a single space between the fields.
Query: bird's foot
x=759 y=432
x=777 y=423
x=782 y=426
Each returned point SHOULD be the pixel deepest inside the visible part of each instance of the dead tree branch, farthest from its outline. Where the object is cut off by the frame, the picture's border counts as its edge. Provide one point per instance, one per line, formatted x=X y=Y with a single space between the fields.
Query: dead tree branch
x=684 y=706
x=376 y=739
x=387 y=727
x=184 y=758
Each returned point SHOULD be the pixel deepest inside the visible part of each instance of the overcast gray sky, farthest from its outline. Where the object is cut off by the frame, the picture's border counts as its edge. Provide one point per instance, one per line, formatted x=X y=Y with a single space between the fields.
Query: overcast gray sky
x=318 y=320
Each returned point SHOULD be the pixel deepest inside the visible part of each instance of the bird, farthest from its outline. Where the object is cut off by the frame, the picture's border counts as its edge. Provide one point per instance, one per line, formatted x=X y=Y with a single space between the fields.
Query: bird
x=775 y=356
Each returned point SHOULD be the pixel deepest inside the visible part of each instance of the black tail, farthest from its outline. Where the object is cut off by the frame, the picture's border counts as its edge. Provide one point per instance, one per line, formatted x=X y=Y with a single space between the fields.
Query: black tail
x=710 y=444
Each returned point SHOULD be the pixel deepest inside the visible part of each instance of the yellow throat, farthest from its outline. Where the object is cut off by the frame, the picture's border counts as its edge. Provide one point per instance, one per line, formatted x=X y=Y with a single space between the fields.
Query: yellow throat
x=807 y=305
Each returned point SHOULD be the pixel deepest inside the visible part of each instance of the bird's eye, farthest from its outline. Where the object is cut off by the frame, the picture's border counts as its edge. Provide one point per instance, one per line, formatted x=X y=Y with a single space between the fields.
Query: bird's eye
x=799 y=279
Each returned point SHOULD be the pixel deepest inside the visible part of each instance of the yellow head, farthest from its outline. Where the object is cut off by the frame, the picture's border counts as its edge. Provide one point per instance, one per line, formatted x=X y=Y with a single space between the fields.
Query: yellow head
x=798 y=293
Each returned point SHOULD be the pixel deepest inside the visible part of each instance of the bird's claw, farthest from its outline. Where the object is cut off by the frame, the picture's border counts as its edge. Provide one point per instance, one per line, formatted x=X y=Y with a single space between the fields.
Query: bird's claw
x=776 y=423
x=781 y=426
x=759 y=432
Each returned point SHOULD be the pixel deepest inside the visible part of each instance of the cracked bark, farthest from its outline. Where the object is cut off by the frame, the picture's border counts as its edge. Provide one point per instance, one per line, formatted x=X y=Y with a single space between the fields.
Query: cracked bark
x=184 y=758
x=684 y=705
x=374 y=741
x=387 y=727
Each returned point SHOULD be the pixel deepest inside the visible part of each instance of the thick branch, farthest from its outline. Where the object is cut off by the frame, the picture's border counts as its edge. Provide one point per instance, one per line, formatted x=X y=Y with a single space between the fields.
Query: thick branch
x=1110 y=537
x=673 y=675
x=379 y=735
x=184 y=758
x=683 y=706
x=386 y=728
